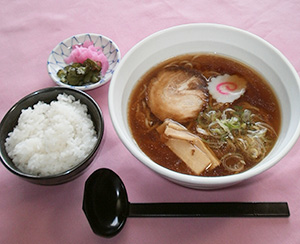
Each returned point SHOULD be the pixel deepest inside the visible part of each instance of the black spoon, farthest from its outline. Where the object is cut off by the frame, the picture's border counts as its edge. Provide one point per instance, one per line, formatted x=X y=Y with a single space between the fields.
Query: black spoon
x=106 y=206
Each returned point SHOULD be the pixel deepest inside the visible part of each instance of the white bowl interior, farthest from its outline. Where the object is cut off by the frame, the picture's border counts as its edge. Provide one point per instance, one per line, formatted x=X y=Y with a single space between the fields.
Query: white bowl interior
x=208 y=38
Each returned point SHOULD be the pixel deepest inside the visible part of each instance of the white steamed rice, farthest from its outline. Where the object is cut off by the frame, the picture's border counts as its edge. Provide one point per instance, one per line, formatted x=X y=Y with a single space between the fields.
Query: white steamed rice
x=51 y=138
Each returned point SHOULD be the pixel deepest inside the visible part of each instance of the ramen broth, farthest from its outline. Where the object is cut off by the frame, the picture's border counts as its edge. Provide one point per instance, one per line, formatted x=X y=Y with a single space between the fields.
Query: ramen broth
x=256 y=108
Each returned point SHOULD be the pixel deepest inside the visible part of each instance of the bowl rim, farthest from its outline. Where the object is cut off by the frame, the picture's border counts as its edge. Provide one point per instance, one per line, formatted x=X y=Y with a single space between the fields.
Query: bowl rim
x=63 y=174
x=88 y=86
x=184 y=178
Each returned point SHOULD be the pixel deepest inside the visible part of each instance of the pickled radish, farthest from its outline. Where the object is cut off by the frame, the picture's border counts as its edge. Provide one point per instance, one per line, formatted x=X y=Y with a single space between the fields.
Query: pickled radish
x=227 y=88
x=87 y=50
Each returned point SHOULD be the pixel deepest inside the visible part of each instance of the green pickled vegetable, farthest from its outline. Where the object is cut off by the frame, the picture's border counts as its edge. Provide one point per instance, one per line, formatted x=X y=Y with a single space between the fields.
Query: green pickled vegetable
x=78 y=74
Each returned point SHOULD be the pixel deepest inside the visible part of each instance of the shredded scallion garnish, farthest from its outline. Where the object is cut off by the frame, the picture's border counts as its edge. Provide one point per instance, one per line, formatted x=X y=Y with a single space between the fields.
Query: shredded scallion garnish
x=243 y=128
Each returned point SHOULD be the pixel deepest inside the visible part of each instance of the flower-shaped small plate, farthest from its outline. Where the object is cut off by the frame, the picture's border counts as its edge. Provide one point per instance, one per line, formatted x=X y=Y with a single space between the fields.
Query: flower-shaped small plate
x=63 y=49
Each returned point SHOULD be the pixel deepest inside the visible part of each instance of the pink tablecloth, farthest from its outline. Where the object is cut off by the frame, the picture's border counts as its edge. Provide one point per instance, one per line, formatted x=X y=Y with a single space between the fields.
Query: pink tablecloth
x=29 y=213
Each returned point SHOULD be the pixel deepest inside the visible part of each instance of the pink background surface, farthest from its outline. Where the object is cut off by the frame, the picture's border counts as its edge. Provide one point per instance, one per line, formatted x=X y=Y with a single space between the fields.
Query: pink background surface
x=30 y=213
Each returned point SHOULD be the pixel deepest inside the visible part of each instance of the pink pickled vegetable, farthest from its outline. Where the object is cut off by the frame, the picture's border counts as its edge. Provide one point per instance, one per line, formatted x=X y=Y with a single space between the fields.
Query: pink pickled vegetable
x=80 y=53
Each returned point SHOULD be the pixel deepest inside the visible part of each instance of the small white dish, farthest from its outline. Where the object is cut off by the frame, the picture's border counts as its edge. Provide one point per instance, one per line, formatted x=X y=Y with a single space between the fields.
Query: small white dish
x=63 y=49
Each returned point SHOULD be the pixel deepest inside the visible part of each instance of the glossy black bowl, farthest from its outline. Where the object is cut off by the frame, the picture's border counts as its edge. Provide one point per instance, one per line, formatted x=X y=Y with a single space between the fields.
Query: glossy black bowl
x=47 y=95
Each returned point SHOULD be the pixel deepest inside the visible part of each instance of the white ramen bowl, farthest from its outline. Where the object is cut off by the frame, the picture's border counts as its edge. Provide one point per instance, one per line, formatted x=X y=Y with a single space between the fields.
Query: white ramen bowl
x=208 y=38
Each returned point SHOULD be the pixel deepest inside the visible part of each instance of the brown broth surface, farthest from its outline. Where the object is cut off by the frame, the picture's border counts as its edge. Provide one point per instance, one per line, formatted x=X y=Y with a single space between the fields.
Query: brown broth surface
x=258 y=94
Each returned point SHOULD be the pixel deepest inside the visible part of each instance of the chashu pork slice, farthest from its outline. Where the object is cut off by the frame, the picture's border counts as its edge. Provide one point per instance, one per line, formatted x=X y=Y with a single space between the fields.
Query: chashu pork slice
x=188 y=147
x=177 y=94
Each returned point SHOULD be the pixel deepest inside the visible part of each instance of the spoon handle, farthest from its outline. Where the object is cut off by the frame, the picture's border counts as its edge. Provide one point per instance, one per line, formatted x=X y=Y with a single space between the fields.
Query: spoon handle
x=216 y=209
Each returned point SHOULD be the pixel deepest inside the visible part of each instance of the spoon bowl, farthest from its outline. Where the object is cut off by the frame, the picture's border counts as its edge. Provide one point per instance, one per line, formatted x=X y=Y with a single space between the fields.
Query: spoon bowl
x=105 y=202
